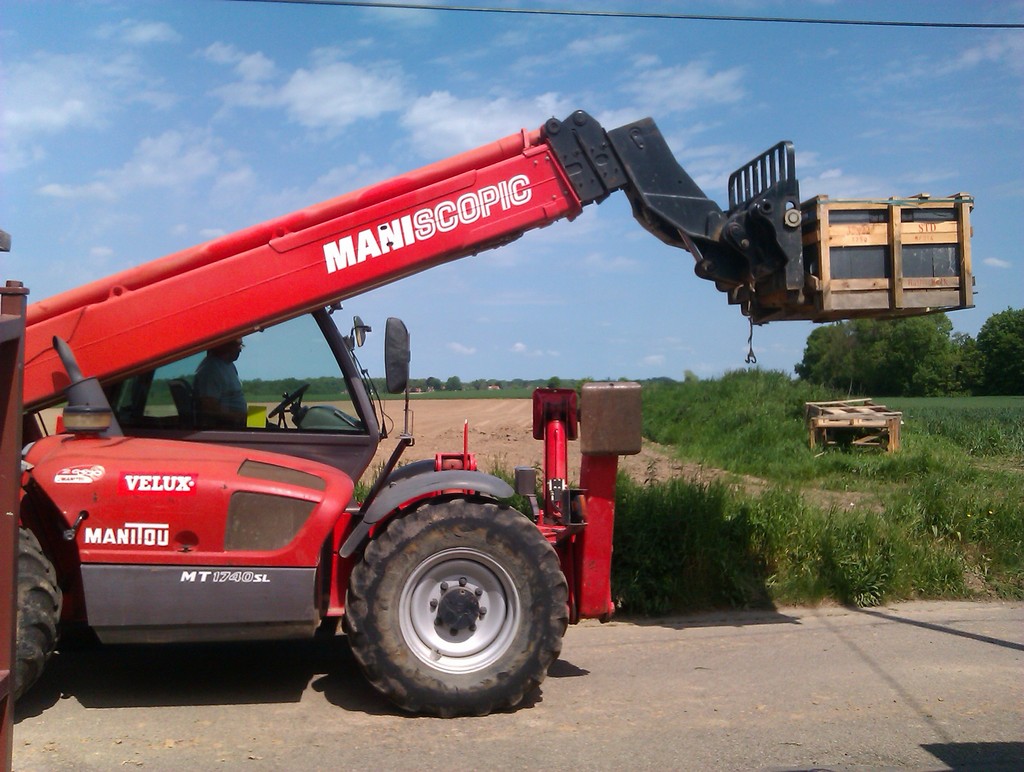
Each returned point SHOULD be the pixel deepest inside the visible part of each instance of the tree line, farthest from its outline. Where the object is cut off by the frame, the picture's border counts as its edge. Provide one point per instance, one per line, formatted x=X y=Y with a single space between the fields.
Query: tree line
x=911 y=357
x=918 y=356
x=269 y=389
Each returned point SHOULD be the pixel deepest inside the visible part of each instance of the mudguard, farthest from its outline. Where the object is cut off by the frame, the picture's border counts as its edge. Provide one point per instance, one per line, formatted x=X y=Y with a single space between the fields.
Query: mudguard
x=405 y=489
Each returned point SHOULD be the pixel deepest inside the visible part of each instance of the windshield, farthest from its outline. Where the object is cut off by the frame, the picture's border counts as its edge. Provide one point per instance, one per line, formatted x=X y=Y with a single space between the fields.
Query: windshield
x=284 y=378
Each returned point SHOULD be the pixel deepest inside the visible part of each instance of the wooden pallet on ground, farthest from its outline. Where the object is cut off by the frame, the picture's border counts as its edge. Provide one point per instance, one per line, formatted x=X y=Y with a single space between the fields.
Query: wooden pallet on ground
x=857 y=422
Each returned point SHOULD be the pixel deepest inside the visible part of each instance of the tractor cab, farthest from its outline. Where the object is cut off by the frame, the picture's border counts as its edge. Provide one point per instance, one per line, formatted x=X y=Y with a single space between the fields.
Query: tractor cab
x=300 y=390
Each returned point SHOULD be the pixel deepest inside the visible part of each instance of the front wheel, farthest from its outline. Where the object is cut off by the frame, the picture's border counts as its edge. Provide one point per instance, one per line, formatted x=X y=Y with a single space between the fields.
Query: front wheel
x=39 y=602
x=458 y=608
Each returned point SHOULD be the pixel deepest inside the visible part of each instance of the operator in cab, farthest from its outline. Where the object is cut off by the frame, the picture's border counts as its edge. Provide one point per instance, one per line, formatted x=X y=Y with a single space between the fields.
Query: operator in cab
x=220 y=402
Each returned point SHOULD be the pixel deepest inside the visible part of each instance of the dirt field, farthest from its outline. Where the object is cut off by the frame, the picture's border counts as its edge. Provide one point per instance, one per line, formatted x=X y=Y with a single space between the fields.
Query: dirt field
x=501 y=436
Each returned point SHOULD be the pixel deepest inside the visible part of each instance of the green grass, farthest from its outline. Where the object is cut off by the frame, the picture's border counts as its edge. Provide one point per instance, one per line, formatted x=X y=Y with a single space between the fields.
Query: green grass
x=682 y=546
x=941 y=518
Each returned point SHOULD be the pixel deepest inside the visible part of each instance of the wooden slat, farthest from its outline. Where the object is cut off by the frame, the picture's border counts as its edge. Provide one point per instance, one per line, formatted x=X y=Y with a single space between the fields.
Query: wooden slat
x=824 y=264
x=910 y=236
x=864 y=301
x=932 y=298
x=857 y=239
x=931 y=282
x=855 y=285
x=963 y=211
x=896 y=256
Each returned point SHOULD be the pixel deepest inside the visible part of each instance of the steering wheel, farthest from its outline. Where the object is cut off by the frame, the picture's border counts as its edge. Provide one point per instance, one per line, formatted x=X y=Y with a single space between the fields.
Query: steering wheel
x=290 y=401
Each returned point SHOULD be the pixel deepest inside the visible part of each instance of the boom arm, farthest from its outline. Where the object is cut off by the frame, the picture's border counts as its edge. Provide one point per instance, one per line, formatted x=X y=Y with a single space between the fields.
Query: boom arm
x=242 y=282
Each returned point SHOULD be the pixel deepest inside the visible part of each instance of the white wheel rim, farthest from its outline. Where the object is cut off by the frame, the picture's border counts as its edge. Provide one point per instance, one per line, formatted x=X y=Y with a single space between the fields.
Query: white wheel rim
x=462 y=649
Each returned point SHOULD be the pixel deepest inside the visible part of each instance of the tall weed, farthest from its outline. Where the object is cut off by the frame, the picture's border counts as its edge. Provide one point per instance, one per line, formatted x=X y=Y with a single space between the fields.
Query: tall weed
x=684 y=546
x=677 y=545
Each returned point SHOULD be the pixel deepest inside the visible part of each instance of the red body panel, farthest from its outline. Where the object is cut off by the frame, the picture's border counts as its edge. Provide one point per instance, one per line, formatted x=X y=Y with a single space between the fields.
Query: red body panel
x=593 y=547
x=296 y=263
x=164 y=502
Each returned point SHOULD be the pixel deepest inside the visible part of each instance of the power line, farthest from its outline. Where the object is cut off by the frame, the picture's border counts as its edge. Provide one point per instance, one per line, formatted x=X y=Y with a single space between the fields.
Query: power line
x=638 y=15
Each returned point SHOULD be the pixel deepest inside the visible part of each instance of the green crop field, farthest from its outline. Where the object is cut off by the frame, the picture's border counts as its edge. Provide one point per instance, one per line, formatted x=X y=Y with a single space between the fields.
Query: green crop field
x=942 y=517
x=983 y=426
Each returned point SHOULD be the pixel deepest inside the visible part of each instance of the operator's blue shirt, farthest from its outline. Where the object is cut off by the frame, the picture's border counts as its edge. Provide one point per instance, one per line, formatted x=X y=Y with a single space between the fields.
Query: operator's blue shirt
x=218 y=380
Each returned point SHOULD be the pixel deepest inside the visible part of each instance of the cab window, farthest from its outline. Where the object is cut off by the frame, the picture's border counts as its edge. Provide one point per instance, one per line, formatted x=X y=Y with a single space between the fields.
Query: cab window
x=284 y=378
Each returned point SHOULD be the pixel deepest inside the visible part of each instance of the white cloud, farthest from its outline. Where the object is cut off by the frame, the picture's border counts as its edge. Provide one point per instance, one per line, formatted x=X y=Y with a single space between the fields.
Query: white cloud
x=221 y=53
x=459 y=348
x=600 y=45
x=684 y=87
x=524 y=350
x=654 y=360
x=95 y=191
x=601 y=263
x=255 y=67
x=235 y=184
x=140 y=33
x=1005 y=47
x=254 y=71
x=339 y=94
x=328 y=95
x=645 y=61
x=263 y=201
x=839 y=184
x=172 y=160
x=995 y=262
x=248 y=66
x=442 y=124
x=49 y=94
x=44 y=96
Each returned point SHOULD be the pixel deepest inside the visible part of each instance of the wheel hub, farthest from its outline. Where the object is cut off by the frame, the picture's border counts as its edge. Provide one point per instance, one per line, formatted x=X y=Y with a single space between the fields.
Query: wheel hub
x=459 y=607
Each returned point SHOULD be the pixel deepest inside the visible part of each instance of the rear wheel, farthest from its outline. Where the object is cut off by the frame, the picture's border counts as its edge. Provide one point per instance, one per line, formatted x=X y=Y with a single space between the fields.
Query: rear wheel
x=457 y=609
x=39 y=602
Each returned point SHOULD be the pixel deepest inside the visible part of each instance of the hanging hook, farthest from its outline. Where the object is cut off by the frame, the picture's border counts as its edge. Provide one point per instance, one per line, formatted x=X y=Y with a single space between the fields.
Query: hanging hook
x=751 y=356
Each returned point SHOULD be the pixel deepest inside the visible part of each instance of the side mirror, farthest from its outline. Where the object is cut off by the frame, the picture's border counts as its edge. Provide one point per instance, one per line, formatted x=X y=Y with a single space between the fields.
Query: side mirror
x=359 y=331
x=396 y=355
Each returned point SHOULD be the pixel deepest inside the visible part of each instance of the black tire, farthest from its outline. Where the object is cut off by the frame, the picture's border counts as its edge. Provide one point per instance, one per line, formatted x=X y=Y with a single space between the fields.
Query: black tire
x=39 y=602
x=458 y=608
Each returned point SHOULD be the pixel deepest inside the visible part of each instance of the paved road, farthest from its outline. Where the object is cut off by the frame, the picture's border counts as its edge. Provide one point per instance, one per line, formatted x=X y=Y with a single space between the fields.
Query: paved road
x=920 y=686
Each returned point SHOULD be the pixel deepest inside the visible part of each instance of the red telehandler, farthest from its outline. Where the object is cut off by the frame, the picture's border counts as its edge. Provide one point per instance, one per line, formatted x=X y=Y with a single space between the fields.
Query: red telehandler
x=144 y=520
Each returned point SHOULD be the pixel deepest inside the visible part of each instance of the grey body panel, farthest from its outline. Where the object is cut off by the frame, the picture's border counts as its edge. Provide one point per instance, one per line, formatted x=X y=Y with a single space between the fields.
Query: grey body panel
x=198 y=603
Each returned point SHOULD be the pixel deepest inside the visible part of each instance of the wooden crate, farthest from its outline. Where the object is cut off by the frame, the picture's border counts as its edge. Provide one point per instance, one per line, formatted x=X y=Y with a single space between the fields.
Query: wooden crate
x=877 y=259
x=857 y=422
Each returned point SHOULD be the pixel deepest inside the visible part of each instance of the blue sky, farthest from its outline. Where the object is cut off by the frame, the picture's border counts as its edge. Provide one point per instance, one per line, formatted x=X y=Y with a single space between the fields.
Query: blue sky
x=129 y=130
